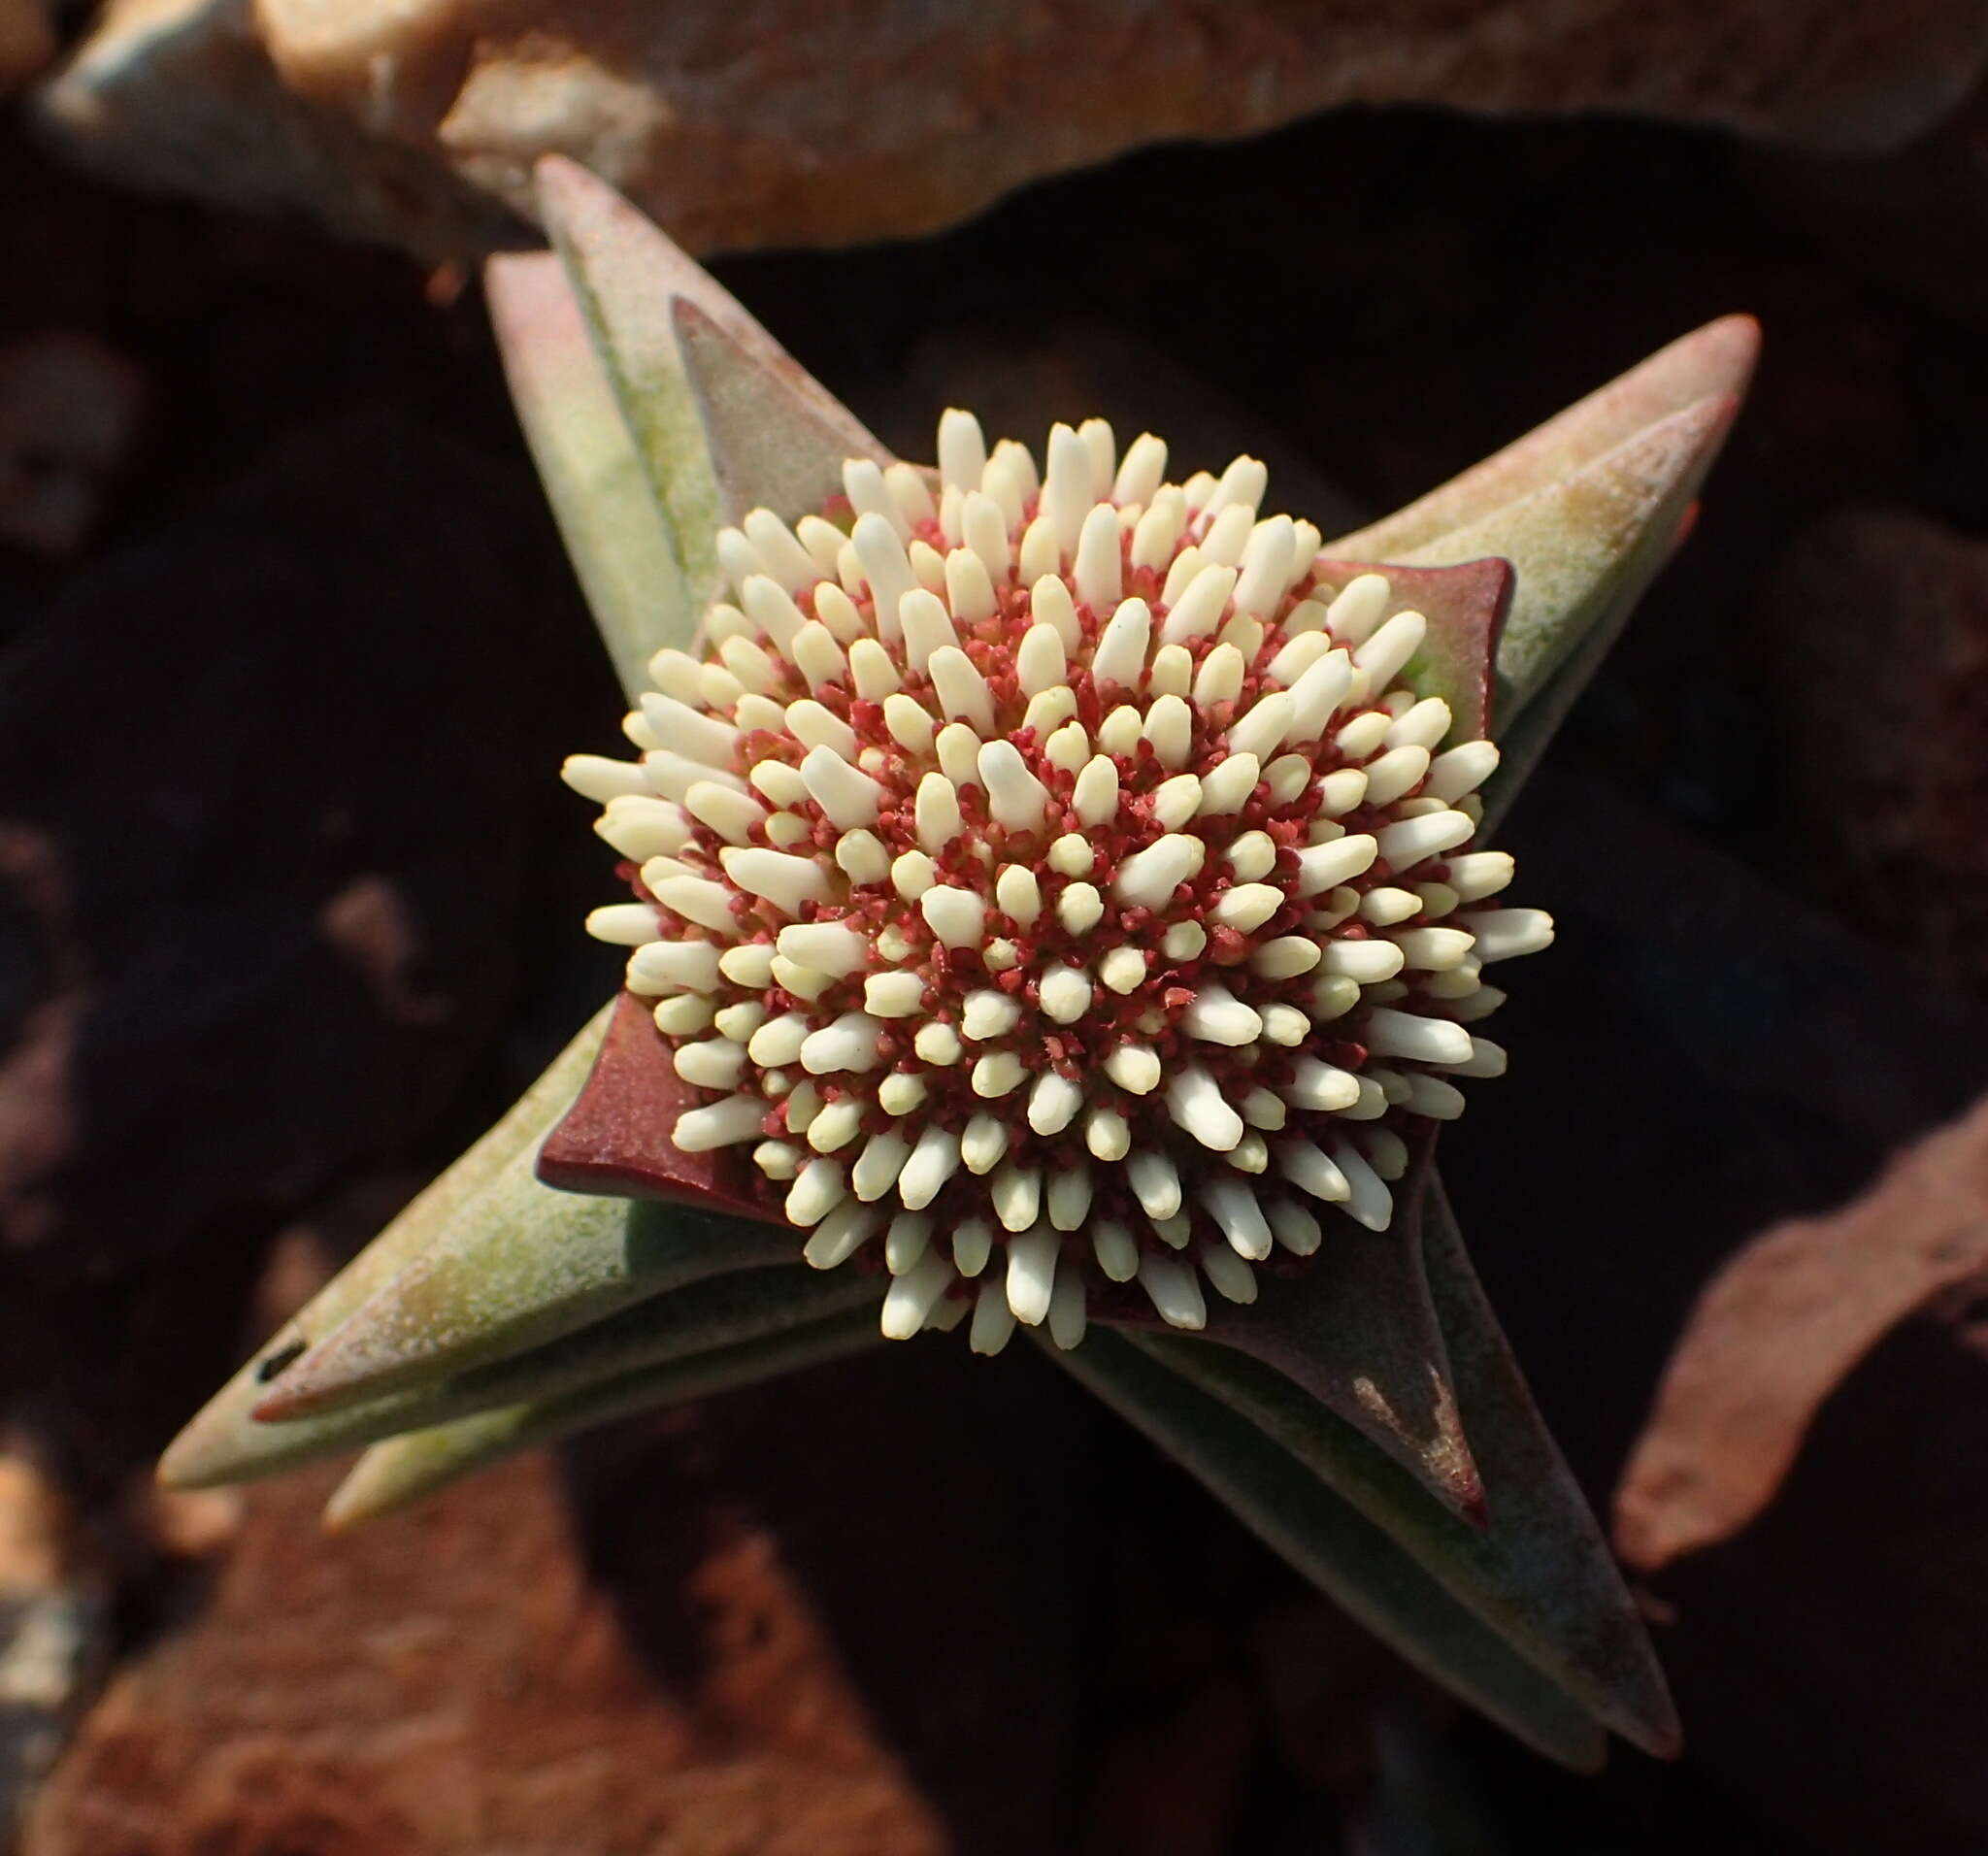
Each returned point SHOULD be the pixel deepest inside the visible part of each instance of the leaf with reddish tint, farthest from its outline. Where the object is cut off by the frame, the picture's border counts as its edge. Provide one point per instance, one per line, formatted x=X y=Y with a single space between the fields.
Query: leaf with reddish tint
x=1537 y=1572
x=1295 y=1512
x=606 y=509
x=1465 y=606
x=627 y=276
x=617 y=1135
x=772 y=443
x=1586 y=508
x=1354 y=1328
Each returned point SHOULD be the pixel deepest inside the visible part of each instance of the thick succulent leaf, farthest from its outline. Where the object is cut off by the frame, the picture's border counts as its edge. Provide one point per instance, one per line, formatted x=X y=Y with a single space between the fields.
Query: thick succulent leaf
x=626 y=274
x=1537 y=1572
x=1587 y=508
x=771 y=444
x=600 y=492
x=1355 y=1331
x=1537 y=1505
x=617 y=1135
x=721 y=1311
x=518 y=1267
x=225 y=1432
x=1465 y=607
x=404 y=1469
x=1711 y=362
x=1586 y=549
x=1333 y=1545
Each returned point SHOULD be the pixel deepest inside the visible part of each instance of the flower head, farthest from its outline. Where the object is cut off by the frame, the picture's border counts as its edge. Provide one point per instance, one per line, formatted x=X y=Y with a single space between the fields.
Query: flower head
x=1055 y=882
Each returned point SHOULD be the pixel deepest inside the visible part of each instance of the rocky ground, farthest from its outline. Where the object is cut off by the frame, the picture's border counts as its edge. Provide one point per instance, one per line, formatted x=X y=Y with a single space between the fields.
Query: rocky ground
x=287 y=906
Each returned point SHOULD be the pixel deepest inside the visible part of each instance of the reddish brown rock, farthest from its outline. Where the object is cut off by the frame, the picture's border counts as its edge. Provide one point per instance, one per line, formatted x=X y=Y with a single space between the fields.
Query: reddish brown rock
x=449 y=1683
x=1781 y=1326
x=741 y=123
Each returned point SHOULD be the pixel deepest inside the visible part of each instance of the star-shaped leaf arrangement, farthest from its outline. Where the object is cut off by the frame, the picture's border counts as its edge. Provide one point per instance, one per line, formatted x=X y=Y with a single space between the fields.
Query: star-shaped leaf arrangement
x=1054 y=907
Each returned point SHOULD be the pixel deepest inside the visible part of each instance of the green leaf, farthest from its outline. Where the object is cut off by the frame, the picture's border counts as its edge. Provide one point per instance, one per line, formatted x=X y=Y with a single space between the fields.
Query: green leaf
x=1587 y=508
x=1713 y=362
x=225 y=1432
x=626 y=275
x=404 y=1469
x=519 y=1266
x=601 y=496
x=722 y=1310
x=1333 y=1545
x=1538 y=1573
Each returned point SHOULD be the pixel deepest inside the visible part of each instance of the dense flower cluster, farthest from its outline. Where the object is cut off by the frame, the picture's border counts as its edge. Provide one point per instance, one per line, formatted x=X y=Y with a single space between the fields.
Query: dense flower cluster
x=1052 y=880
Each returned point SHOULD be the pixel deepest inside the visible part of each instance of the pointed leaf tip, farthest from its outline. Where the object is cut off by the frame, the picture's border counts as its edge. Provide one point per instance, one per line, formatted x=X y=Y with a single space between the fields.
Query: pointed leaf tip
x=523 y=1263
x=1713 y=362
x=776 y=438
x=1356 y=1330
x=609 y=517
x=224 y=1442
x=627 y=276
x=1586 y=508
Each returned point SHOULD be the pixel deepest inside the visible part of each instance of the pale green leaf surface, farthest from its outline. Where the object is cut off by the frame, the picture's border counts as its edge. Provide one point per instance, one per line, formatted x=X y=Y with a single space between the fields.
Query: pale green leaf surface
x=770 y=444
x=224 y=1428
x=1715 y=361
x=522 y=1265
x=701 y=1317
x=403 y=1469
x=626 y=274
x=601 y=496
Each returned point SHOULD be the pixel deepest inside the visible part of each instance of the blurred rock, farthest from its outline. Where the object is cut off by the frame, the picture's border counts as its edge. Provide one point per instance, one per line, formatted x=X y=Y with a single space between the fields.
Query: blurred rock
x=27 y=42
x=1875 y=630
x=270 y=790
x=52 y=1630
x=1701 y=1058
x=1780 y=1327
x=741 y=123
x=1916 y=216
x=181 y=95
x=447 y=1684
x=69 y=411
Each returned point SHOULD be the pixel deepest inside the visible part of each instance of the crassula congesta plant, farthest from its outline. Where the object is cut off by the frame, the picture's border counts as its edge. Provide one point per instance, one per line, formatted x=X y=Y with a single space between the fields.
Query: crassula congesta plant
x=1053 y=881
x=1060 y=903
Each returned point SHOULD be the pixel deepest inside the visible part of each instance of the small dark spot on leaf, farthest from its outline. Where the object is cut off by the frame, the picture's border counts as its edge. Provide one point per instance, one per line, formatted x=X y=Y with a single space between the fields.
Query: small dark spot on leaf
x=267 y=1368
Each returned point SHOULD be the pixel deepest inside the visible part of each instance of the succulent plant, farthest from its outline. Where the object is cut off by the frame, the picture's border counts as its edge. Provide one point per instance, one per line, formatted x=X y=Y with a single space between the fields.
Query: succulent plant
x=1058 y=907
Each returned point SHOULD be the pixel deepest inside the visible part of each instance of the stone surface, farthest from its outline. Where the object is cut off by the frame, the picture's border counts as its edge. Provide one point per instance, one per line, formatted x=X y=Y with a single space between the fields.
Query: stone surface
x=1886 y=761
x=449 y=1684
x=27 y=42
x=52 y=1630
x=741 y=123
x=1780 y=1327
